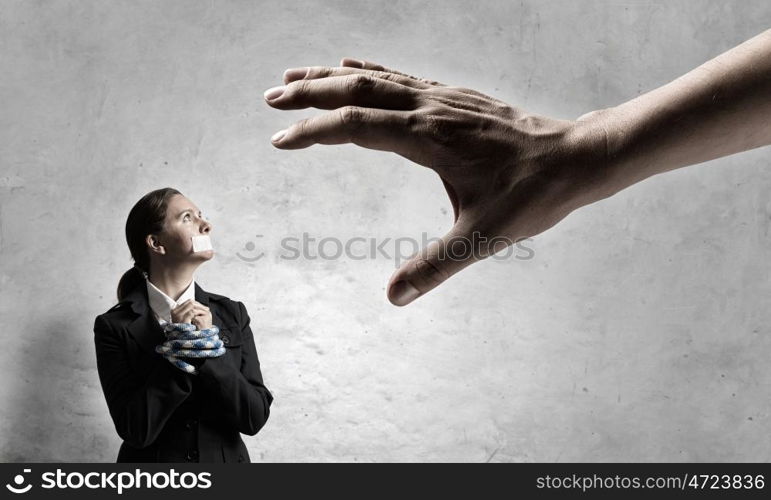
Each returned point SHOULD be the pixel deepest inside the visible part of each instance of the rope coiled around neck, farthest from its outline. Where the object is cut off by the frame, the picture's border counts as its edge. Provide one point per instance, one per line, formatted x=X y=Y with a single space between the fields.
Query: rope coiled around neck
x=183 y=340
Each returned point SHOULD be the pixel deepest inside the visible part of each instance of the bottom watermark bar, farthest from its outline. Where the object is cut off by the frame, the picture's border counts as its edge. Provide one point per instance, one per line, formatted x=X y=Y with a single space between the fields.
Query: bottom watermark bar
x=223 y=481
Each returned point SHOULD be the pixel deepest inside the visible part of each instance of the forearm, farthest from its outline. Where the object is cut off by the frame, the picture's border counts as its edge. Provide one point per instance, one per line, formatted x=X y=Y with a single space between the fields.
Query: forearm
x=245 y=405
x=720 y=108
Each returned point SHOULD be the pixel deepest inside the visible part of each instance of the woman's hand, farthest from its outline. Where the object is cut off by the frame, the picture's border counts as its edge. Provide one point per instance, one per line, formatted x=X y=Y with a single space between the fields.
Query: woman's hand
x=509 y=174
x=193 y=312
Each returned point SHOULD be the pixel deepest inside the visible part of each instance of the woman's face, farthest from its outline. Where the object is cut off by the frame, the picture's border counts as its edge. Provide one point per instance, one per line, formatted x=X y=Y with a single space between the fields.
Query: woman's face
x=183 y=221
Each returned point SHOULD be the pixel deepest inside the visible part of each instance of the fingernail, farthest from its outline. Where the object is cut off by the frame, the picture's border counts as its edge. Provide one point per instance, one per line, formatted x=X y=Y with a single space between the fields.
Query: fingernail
x=295 y=74
x=403 y=293
x=278 y=135
x=274 y=92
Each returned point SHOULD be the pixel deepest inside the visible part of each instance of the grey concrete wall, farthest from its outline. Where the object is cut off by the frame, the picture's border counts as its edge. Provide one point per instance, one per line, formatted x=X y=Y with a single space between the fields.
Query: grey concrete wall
x=639 y=330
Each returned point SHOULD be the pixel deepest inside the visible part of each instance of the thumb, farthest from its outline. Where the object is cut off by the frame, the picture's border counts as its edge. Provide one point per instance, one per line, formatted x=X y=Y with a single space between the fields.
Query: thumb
x=432 y=266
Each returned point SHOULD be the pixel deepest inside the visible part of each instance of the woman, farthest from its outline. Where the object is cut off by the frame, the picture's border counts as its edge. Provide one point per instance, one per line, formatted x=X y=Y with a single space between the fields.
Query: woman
x=191 y=409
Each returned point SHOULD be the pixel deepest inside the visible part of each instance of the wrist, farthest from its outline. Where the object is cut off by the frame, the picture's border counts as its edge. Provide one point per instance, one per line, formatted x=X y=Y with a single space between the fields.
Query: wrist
x=597 y=139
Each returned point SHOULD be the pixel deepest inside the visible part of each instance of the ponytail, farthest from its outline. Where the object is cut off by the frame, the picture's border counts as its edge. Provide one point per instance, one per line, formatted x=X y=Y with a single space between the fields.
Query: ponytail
x=131 y=279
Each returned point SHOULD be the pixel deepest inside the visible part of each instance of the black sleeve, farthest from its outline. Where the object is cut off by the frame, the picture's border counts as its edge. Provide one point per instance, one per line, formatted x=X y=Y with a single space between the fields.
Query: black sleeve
x=139 y=407
x=242 y=396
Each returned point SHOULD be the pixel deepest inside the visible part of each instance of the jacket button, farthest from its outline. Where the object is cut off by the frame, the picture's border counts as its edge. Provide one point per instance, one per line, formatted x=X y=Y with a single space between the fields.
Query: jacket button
x=191 y=455
x=240 y=458
x=225 y=339
x=190 y=424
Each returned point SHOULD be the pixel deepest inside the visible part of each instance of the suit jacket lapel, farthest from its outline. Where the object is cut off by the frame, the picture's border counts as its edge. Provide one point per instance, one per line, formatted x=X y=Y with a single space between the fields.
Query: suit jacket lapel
x=202 y=296
x=145 y=328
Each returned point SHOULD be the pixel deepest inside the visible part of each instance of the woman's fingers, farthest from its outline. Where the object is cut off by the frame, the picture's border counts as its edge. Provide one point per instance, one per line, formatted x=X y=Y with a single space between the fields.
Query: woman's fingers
x=317 y=72
x=196 y=315
x=356 y=63
x=337 y=91
x=189 y=304
x=370 y=128
x=190 y=309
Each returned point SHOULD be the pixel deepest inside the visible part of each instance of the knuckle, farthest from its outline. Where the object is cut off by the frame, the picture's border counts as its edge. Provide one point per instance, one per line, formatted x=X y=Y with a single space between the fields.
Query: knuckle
x=302 y=128
x=439 y=128
x=414 y=121
x=500 y=108
x=388 y=76
x=359 y=84
x=430 y=272
x=299 y=88
x=319 y=72
x=352 y=115
x=426 y=81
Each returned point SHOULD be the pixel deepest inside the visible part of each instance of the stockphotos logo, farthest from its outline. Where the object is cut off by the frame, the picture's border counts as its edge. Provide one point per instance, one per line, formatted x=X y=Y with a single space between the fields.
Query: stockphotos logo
x=18 y=480
x=114 y=480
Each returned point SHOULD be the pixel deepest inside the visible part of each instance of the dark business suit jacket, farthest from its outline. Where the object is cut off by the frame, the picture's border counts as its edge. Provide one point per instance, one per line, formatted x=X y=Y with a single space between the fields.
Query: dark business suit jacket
x=164 y=414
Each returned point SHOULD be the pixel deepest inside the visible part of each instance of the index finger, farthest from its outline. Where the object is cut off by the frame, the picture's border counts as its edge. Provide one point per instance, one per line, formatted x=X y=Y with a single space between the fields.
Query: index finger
x=181 y=304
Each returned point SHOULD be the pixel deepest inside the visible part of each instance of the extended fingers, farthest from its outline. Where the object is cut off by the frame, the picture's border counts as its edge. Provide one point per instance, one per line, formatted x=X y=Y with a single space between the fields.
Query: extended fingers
x=343 y=90
x=356 y=63
x=189 y=306
x=317 y=72
x=384 y=130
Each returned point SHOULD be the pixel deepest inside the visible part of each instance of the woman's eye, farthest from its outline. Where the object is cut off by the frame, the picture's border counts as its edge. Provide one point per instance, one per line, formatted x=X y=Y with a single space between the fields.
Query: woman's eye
x=187 y=216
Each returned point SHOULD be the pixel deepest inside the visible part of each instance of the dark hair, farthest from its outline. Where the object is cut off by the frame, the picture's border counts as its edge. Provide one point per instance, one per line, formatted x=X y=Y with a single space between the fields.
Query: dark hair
x=146 y=217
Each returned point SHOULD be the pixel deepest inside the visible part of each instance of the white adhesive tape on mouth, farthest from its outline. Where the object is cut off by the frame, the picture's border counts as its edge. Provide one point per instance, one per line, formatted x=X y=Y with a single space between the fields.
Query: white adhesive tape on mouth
x=201 y=243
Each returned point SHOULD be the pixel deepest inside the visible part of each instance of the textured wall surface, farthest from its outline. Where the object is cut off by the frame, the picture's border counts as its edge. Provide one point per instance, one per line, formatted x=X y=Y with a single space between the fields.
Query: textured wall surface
x=639 y=330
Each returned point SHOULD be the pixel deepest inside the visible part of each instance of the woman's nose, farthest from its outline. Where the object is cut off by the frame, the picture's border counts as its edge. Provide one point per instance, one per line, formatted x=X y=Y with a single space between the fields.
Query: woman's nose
x=205 y=226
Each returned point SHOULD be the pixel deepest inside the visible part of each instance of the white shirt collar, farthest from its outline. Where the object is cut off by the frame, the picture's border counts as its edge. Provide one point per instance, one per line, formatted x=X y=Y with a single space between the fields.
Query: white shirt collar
x=161 y=304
